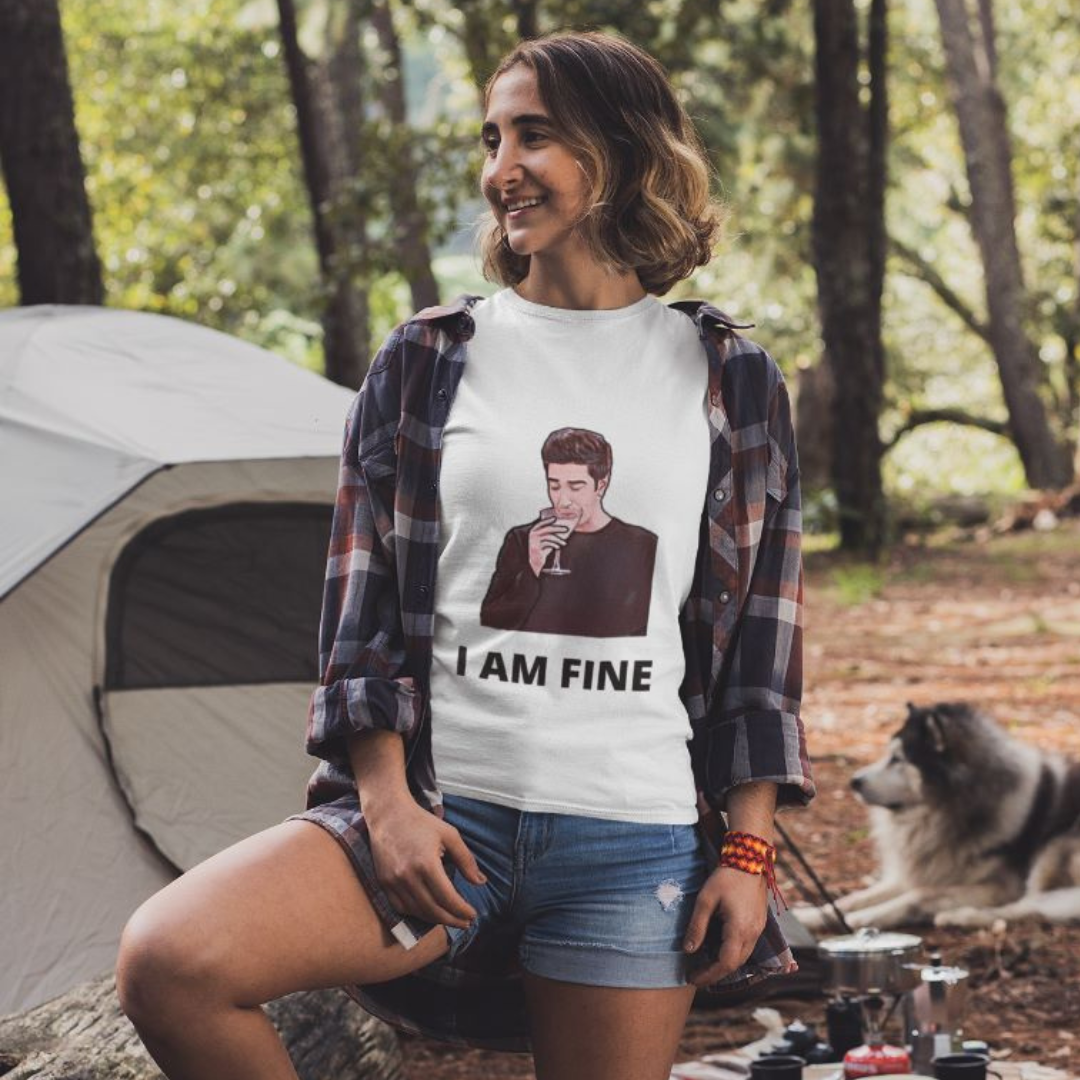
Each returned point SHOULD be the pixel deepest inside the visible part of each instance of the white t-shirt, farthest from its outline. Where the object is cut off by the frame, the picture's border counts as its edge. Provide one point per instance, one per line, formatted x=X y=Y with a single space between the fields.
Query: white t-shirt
x=555 y=685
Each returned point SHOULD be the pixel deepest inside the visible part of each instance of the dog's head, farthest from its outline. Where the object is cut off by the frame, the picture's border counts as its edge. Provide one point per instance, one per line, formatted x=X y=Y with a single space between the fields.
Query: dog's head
x=924 y=760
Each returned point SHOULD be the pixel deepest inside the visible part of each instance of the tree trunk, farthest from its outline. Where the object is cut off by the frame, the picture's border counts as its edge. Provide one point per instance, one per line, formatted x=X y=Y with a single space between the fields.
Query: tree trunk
x=1072 y=340
x=980 y=111
x=814 y=394
x=39 y=155
x=526 y=17
x=849 y=247
x=483 y=36
x=410 y=220
x=322 y=125
x=83 y=1035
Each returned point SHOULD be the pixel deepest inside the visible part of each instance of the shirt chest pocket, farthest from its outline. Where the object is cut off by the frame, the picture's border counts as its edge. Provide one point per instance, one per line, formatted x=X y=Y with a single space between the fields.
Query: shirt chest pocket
x=378 y=467
x=775 y=477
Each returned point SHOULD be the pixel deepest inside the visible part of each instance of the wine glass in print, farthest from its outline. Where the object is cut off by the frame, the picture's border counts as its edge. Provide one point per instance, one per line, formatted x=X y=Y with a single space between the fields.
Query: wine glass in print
x=567 y=522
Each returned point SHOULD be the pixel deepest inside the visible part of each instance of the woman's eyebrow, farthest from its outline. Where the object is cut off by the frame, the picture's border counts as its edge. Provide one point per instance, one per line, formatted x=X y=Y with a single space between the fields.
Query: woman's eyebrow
x=518 y=121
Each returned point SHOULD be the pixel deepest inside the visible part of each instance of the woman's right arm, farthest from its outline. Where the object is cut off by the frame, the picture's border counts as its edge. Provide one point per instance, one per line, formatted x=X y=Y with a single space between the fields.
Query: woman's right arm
x=367 y=701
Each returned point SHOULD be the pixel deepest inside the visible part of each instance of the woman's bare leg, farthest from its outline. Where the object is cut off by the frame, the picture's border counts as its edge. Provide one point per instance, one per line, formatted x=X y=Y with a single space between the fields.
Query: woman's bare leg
x=280 y=911
x=604 y=1033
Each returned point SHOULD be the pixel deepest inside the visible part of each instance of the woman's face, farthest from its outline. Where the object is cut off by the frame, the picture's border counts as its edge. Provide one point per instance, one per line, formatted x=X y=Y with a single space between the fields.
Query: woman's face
x=533 y=183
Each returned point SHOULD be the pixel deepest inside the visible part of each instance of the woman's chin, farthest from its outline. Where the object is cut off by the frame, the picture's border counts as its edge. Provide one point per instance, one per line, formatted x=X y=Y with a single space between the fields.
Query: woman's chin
x=521 y=245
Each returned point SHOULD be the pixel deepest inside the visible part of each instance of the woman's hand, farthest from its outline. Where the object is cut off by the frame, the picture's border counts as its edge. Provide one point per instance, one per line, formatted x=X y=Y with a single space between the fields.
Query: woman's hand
x=740 y=902
x=408 y=844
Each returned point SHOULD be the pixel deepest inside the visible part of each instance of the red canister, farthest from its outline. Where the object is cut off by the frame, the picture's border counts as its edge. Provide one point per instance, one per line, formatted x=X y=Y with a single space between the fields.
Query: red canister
x=875 y=1059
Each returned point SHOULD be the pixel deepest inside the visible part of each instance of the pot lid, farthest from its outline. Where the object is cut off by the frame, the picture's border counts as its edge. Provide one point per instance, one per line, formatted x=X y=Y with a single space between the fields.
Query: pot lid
x=868 y=941
x=949 y=975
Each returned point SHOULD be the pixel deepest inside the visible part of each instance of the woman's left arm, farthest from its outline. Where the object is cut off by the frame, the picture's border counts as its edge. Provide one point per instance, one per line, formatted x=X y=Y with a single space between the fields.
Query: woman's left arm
x=755 y=750
x=737 y=899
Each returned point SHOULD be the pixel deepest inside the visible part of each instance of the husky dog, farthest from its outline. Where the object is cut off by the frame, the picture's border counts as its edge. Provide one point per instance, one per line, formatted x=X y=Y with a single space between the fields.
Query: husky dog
x=971 y=826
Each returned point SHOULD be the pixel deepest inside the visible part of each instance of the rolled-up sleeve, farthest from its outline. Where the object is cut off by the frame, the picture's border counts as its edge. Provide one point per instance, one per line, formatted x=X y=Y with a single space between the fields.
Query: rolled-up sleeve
x=758 y=733
x=365 y=682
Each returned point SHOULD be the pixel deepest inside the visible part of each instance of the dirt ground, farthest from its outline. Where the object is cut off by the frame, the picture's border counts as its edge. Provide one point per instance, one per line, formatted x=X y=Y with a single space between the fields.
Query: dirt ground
x=993 y=621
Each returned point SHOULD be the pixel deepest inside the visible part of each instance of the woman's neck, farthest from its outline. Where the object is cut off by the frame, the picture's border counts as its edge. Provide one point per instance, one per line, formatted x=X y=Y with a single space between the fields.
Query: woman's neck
x=580 y=285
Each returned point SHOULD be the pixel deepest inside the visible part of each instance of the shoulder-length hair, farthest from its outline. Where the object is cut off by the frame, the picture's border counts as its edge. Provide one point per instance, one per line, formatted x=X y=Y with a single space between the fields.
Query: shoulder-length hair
x=649 y=208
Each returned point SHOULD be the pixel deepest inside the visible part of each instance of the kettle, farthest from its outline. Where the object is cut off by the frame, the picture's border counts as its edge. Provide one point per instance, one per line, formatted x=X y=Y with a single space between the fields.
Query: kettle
x=934 y=1012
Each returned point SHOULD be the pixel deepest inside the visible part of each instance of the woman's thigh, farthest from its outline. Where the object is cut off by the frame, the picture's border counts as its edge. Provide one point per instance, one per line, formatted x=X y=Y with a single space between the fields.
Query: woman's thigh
x=282 y=910
x=603 y=1033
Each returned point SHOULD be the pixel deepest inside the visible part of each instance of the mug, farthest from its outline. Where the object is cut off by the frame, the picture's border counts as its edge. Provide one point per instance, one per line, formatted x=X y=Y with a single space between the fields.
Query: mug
x=778 y=1067
x=966 y=1066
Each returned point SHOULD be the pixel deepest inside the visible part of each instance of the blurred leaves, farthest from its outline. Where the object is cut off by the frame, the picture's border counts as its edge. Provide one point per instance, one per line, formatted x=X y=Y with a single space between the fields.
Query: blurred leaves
x=194 y=173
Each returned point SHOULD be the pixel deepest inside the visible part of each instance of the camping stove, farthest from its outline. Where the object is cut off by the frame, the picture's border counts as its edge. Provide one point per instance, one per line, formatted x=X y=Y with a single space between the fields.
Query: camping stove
x=870 y=967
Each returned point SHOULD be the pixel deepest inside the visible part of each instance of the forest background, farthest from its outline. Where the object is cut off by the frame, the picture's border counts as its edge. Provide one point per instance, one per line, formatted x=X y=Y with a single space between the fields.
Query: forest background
x=303 y=174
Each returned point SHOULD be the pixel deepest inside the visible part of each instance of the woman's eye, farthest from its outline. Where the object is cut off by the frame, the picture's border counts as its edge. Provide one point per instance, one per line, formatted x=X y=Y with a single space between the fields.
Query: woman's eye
x=490 y=143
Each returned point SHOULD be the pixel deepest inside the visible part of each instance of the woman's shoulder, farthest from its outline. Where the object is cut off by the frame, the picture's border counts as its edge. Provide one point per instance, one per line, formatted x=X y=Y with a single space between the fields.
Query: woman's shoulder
x=743 y=358
x=430 y=329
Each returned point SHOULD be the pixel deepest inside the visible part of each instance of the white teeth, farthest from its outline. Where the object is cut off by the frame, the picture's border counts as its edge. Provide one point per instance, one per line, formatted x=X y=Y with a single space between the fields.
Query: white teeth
x=523 y=203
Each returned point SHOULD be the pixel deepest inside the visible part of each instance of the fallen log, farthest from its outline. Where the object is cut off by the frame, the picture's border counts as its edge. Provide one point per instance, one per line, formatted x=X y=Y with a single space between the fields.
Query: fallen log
x=83 y=1035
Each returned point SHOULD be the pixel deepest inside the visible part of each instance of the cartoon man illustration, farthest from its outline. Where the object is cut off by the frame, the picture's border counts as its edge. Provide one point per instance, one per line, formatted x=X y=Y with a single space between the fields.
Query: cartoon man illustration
x=576 y=569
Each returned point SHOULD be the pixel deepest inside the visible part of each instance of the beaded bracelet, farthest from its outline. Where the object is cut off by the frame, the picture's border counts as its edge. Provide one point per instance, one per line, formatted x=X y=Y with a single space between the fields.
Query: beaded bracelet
x=752 y=855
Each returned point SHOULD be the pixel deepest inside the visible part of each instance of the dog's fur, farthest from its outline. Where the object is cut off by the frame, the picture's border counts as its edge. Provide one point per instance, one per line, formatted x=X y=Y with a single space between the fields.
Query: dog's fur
x=971 y=826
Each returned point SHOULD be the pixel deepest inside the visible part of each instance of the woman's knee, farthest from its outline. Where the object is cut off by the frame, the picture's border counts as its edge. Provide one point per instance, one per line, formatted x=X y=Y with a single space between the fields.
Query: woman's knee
x=166 y=967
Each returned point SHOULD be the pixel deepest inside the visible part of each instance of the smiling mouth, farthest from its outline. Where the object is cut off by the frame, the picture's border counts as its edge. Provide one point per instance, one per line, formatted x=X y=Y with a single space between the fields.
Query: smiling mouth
x=516 y=207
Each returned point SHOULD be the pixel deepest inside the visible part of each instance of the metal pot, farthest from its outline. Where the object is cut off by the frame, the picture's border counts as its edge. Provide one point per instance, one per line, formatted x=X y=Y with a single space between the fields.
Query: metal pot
x=872 y=962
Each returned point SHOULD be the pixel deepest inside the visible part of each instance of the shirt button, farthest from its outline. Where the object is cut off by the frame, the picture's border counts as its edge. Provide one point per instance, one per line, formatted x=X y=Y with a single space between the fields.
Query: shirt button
x=724 y=597
x=434 y=487
x=719 y=494
x=442 y=394
x=423 y=590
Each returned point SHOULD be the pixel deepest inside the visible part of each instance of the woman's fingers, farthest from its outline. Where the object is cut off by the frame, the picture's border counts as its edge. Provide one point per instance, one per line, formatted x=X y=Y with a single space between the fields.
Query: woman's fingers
x=431 y=895
x=708 y=898
x=739 y=902
x=409 y=862
x=459 y=851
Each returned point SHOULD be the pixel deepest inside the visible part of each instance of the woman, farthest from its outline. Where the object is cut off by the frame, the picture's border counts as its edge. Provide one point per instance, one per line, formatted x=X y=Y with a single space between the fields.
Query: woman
x=611 y=656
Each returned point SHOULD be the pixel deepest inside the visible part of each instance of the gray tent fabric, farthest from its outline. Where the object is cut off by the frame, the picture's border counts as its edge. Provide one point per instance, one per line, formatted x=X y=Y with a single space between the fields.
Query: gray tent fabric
x=93 y=400
x=80 y=478
x=140 y=459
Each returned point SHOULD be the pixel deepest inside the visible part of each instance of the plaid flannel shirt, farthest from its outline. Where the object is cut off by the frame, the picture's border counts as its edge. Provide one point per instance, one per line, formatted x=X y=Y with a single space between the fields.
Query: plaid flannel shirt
x=741 y=630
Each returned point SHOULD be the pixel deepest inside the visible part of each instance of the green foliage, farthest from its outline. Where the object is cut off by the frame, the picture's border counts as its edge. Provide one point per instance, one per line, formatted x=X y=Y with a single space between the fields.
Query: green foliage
x=189 y=141
x=857 y=583
x=939 y=361
x=201 y=211
x=9 y=292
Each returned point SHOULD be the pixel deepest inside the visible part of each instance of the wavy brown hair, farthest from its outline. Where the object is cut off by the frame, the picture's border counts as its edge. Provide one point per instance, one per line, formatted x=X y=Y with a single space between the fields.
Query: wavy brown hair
x=650 y=209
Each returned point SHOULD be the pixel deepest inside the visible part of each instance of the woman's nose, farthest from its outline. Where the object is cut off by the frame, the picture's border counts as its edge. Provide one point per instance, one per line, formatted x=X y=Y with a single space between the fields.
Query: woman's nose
x=505 y=167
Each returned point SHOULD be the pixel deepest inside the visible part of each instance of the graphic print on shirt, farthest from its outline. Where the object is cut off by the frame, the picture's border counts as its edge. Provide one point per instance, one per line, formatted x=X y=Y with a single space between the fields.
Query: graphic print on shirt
x=575 y=569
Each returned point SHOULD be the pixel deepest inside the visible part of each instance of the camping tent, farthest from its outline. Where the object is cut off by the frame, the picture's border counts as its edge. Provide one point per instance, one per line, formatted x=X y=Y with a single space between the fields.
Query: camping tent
x=165 y=499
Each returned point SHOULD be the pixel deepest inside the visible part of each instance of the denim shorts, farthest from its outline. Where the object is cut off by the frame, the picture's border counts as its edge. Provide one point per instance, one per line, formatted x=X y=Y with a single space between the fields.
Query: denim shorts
x=595 y=901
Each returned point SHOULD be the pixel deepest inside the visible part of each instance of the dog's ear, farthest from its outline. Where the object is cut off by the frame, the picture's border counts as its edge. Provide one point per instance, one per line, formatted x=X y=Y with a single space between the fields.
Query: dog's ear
x=935 y=730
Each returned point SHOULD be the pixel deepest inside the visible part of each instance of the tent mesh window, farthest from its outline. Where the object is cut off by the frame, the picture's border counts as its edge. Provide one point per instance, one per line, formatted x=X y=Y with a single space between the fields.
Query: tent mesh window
x=221 y=596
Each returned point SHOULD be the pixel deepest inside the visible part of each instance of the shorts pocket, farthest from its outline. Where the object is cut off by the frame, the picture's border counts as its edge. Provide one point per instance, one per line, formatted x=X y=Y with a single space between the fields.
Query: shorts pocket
x=685 y=839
